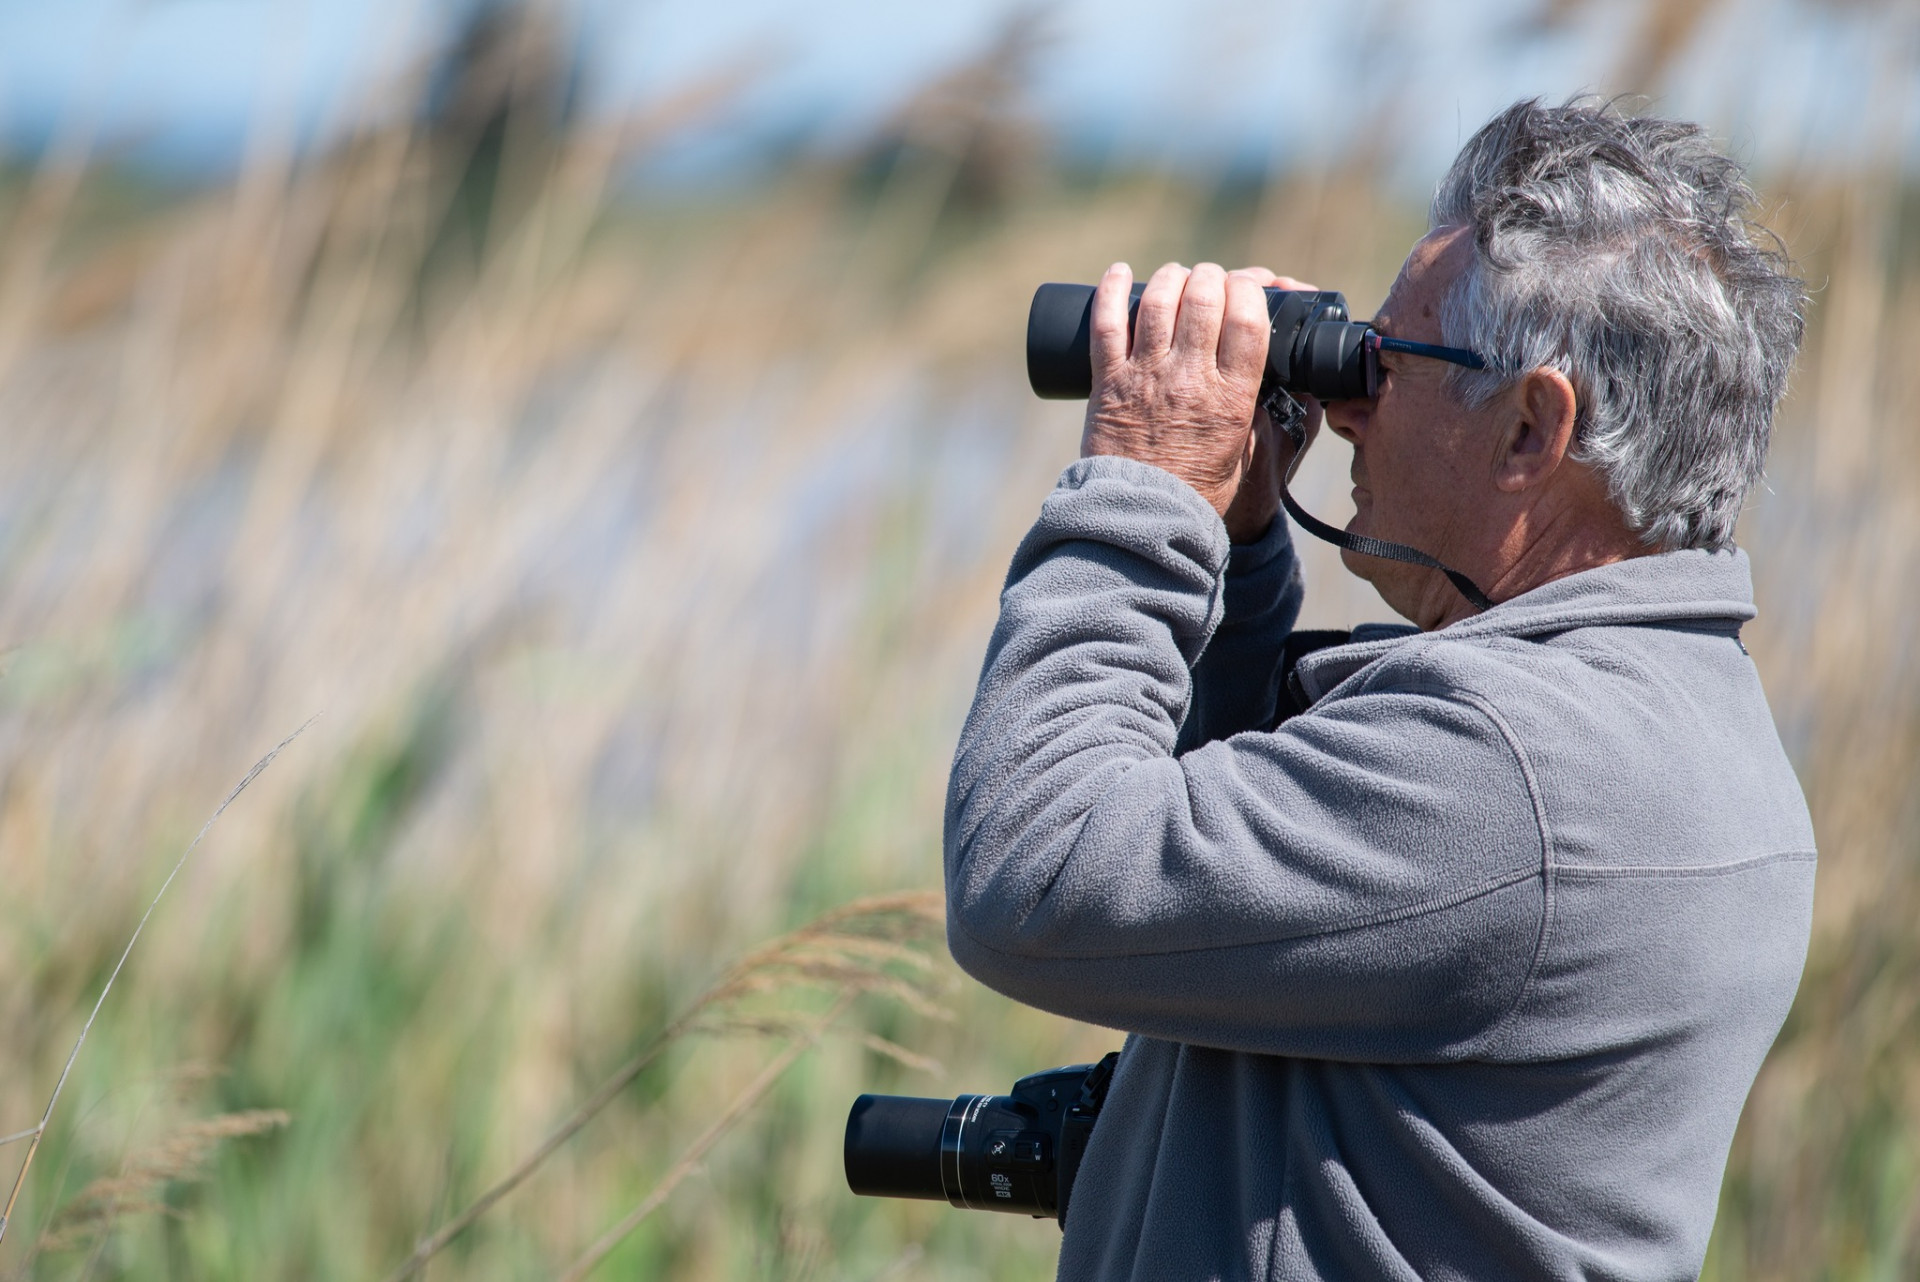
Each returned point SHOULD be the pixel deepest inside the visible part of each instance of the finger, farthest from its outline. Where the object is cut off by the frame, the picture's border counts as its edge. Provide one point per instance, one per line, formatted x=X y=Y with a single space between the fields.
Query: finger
x=1159 y=304
x=1107 y=325
x=1244 y=330
x=1268 y=280
x=1202 y=305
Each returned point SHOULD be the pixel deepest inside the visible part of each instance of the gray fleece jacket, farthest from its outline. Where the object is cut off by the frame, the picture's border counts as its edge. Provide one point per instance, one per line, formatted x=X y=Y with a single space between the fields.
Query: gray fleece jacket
x=1446 y=956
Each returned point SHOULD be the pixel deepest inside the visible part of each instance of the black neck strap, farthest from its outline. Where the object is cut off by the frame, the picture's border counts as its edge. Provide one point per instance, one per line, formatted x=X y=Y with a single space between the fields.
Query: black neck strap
x=1291 y=419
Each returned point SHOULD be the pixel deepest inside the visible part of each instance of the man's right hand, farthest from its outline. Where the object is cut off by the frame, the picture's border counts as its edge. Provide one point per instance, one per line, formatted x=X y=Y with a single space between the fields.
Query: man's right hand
x=1179 y=391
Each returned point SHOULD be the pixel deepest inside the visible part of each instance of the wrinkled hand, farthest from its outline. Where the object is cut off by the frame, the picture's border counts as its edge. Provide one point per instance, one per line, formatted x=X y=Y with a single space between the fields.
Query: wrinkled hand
x=1181 y=395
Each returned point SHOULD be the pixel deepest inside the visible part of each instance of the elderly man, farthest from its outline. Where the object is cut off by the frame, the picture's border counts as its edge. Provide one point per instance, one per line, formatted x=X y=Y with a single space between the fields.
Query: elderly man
x=1447 y=952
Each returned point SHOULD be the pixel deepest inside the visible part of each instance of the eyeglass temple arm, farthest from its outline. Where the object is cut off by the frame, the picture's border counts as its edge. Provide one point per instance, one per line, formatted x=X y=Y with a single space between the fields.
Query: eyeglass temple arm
x=1454 y=355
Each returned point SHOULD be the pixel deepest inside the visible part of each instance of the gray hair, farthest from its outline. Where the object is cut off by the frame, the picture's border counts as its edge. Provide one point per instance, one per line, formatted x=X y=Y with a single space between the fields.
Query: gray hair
x=1617 y=250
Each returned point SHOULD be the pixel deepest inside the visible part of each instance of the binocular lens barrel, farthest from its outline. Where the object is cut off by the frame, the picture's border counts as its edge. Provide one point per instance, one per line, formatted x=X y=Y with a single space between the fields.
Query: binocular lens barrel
x=1313 y=350
x=1059 y=340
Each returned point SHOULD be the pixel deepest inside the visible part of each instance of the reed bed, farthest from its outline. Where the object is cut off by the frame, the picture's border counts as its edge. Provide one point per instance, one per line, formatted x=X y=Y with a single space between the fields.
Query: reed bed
x=638 y=549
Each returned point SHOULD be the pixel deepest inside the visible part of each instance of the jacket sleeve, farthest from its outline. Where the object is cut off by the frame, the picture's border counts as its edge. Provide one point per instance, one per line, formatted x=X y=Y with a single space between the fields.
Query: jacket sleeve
x=1365 y=882
x=1236 y=681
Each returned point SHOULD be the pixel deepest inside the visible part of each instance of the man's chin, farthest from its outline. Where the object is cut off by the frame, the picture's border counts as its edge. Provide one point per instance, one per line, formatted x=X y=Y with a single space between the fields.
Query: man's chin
x=1359 y=565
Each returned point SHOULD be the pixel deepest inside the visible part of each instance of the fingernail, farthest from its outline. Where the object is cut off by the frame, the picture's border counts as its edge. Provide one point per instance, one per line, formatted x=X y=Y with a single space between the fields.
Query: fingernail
x=1116 y=269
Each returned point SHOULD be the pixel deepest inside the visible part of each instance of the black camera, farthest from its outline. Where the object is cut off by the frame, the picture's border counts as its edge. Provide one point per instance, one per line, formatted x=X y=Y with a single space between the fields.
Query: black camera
x=1017 y=1152
x=1314 y=349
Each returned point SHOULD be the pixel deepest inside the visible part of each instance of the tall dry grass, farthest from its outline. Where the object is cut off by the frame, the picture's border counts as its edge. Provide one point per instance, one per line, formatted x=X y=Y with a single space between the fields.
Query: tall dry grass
x=639 y=549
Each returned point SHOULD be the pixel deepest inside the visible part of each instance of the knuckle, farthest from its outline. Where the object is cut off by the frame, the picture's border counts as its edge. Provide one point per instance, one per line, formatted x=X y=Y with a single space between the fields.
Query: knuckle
x=1247 y=322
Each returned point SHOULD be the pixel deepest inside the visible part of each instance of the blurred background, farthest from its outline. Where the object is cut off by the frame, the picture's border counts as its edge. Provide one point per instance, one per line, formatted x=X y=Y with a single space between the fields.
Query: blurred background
x=610 y=420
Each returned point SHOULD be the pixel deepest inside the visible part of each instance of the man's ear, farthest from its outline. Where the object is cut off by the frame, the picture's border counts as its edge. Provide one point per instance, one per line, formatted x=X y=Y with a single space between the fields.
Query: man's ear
x=1539 y=433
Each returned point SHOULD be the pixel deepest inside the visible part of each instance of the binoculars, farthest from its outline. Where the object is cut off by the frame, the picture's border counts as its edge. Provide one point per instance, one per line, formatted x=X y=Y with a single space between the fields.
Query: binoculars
x=1315 y=349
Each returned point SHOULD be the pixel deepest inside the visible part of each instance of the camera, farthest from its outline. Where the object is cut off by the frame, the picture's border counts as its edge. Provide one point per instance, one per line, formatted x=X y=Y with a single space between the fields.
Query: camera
x=1314 y=348
x=1016 y=1152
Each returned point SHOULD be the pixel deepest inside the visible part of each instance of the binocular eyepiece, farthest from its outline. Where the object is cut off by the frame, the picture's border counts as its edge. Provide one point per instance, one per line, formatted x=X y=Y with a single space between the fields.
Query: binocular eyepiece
x=1314 y=348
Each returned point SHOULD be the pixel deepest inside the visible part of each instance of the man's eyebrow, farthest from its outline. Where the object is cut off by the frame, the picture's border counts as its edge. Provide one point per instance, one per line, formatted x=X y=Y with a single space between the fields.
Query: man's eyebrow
x=1384 y=324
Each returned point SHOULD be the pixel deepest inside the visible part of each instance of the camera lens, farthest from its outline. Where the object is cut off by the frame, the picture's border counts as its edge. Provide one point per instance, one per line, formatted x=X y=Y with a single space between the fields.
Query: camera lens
x=979 y=1152
x=893 y=1146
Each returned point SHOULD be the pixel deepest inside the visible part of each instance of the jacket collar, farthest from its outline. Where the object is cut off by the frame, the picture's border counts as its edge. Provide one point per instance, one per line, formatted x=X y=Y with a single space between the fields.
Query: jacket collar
x=1710 y=589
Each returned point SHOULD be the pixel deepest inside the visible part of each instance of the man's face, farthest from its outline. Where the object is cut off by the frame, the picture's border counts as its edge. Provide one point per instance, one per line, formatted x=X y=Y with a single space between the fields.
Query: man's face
x=1421 y=461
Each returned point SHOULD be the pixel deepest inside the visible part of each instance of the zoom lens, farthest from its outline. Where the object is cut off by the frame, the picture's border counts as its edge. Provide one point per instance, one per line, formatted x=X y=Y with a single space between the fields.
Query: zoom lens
x=979 y=1152
x=893 y=1146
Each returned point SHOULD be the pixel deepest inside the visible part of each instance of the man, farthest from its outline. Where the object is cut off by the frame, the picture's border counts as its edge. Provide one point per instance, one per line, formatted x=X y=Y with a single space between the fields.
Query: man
x=1448 y=952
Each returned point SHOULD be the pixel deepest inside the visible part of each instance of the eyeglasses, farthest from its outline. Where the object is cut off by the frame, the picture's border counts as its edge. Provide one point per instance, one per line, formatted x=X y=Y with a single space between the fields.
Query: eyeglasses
x=1375 y=342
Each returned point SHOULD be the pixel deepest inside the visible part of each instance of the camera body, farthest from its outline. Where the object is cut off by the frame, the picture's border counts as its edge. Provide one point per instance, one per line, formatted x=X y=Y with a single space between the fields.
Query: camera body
x=1017 y=1152
x=1314 y=347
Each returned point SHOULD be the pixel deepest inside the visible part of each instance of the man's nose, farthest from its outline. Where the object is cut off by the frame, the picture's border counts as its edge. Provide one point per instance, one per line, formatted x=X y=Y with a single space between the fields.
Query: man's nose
x=1349 y=419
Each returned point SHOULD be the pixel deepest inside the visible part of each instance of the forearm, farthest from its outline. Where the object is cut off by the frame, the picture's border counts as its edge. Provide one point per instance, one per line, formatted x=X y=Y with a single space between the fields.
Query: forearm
x=1265 y=892
x=1236 y=683
x=1111 y=598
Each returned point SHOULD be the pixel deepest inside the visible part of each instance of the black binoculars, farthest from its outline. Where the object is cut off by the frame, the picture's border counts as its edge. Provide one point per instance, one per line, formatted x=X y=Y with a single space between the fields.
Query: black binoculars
x=1315 y=349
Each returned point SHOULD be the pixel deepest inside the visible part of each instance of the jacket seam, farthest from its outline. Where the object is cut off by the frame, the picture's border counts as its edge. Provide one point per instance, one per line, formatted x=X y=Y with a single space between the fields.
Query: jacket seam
x=1712 y=620
x=1422 y=909
x=1548 y=868
x=1545 y=619
x=1657 y=872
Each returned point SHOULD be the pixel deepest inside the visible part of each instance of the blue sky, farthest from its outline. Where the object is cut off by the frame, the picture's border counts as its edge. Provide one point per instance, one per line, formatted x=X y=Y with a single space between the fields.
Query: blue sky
x=183 y=81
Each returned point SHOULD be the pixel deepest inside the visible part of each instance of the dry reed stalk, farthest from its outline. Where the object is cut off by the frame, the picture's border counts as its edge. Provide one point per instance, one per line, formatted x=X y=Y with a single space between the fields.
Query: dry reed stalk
x=56 y=181
x=791 y=1027
x=180 y=1155
x=733 y=607
x=1666 y=28
x=832 y=950
x=906 y=1260
x=591 y=1258
x=40 y=1129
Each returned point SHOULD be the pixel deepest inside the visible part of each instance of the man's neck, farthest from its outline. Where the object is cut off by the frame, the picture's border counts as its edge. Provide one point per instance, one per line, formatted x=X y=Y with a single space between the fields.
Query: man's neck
x=1549 y=541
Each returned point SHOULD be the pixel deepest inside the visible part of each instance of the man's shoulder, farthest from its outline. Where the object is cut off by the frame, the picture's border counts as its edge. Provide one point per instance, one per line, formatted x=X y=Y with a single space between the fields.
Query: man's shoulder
x=1589 y=661
x=1383 y=658
x=1647 y=743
